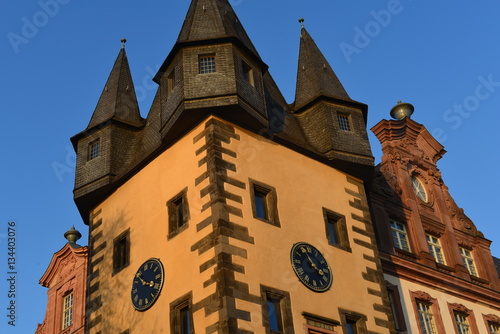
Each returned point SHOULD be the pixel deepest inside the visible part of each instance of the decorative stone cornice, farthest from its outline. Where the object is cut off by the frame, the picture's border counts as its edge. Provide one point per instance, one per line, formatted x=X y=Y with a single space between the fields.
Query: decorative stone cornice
x=423 y=296
x=460 y=308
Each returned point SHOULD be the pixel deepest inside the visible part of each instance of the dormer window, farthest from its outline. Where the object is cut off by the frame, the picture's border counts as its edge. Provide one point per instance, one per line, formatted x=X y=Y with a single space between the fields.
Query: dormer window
x=206 y=64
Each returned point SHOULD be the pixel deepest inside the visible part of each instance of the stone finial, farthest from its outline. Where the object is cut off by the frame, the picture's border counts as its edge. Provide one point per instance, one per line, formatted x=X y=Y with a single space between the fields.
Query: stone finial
x=301 y=21
x=123 y=42
x=72 y=235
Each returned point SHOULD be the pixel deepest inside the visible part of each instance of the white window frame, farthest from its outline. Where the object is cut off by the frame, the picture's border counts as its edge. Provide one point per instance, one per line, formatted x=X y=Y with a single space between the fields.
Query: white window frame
x=67 y=318
x=426 y=317
x=468 y=260
x=400 y=236
x=435 y=248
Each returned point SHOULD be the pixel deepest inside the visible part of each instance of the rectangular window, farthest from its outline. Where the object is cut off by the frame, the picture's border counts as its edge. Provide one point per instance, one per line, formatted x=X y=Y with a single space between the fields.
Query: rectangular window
x=261 y=207
x=276 y=309
x=94 y=149
x=264 y=202
x=178 y=213
x=181 y=317
x=352 y=327
x=353 y=322
x=68 y=310
x=247 y=73
x=425 y=317
x=462 y=323
x=400 y=236
x=274 y=315
x=435 y=248
x=206 y=64
x=468 y=260
x=185 y=317
x=336 y=229
x=121 y=251
x=344 y=122
x=396 y=307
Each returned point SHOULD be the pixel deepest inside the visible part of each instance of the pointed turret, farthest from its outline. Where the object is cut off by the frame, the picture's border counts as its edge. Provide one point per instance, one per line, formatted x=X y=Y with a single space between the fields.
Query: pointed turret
x=315 y=76
x=213 y=19
x=118 y=100
x=213 y=69
x=332 y=123
x=104 y=148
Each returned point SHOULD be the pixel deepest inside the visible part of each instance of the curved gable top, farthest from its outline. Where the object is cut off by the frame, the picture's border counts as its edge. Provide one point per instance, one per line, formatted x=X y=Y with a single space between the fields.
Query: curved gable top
x=63 y=262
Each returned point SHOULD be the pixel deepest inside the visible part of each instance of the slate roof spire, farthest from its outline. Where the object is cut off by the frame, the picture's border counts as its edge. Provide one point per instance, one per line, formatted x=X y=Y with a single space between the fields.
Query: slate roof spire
x=315 y=76
x=118 y=100
x=213 y=19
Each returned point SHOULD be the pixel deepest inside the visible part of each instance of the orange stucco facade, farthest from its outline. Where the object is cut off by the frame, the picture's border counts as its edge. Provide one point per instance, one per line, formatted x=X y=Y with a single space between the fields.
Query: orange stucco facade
x=304 y=188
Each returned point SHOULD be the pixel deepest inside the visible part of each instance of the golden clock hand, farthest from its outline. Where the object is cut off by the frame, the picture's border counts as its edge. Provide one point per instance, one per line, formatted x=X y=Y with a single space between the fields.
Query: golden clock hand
x=138 y=275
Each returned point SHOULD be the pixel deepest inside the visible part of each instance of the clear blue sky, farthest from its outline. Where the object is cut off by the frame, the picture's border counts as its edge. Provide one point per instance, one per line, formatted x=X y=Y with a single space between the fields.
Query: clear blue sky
x=55 y=61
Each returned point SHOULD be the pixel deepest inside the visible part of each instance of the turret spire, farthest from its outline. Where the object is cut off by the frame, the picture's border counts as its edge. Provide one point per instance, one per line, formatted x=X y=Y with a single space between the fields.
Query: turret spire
x=213 y=19
x=315 y=76
x=118 y=100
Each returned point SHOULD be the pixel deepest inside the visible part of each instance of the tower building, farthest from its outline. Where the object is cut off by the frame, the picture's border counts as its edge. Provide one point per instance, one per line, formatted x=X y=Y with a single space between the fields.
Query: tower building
x=440 y=273
x=228 y=210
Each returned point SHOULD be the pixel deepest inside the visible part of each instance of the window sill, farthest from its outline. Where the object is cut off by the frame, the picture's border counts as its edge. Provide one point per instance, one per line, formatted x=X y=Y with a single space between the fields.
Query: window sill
x=406 y=254
x=445 y=268
x=117 y=271
x=344 y=248
x=177 y=231
x=479 y=280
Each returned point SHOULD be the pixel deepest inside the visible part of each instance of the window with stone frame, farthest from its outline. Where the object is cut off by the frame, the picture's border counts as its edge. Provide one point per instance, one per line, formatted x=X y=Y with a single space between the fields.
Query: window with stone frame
x=276 y=311
x=464 y=320
x=427 y=313
x=181 y=315
x=178 y=213
x=336 y=229
x=396 y=306
x=468 y=260
x=400 y=235
x=121 y=251
x=492 y=322
x=435 y=248
x=426 y=317
x=264 y=202
x=353 y=322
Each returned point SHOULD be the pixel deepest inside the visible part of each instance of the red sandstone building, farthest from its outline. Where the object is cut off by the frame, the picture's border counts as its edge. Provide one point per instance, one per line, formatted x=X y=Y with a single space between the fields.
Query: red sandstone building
x=66 y=281
x=438 y=267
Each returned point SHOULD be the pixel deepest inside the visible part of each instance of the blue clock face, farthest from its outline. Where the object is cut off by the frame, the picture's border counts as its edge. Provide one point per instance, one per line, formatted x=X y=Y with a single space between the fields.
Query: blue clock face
x=147 y=284
x=311 y=267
